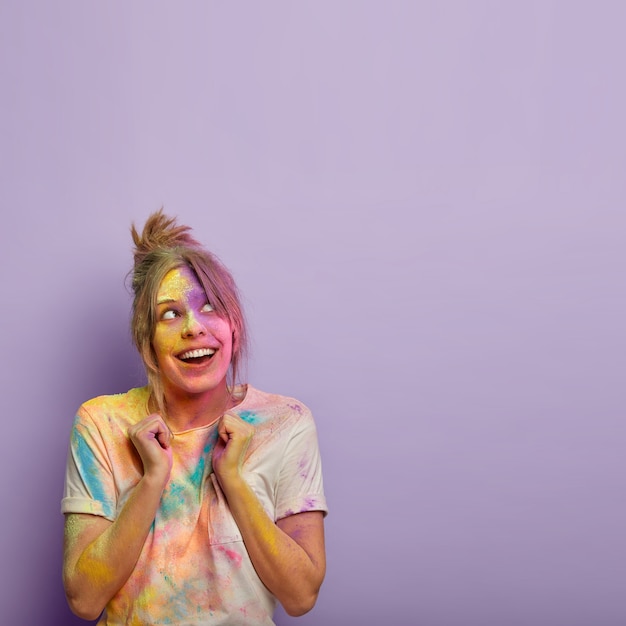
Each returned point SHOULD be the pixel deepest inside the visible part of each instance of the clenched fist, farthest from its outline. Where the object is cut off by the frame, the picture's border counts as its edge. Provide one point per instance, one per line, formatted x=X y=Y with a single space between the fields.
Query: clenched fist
x=234 y=436
x=152 y=439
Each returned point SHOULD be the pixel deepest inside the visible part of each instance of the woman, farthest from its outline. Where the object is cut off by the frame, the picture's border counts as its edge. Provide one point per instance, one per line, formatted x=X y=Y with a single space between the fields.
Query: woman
x=192 y=500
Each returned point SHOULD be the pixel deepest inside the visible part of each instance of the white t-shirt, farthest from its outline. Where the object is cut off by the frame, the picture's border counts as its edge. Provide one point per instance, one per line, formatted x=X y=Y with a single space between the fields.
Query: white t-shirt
x=194 y=568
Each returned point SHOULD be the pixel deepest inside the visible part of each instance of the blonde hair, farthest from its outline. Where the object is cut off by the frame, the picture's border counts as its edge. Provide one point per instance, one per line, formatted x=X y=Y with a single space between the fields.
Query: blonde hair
x=162 y=246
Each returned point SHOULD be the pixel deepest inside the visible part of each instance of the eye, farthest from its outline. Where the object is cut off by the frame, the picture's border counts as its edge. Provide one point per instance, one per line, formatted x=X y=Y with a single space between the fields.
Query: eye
x=169 y=314
x=207 y=308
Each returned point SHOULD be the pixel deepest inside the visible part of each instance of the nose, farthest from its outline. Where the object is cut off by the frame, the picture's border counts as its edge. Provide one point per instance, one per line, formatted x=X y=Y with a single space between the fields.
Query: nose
x=193 y=325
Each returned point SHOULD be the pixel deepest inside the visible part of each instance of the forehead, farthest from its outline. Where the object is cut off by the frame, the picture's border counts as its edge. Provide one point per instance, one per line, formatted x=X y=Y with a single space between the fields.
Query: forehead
x=178 y=284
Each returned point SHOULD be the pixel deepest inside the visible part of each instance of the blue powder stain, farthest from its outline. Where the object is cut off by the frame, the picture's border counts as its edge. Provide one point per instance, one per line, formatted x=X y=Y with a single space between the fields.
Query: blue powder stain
x=250 y=417
x=90 y=470
x=180 y=492
x=172 y=499
x=198 y=473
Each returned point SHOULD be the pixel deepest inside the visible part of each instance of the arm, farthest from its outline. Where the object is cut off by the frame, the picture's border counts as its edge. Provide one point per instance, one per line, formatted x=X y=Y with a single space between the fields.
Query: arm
x=100 y=555
x=289 y=555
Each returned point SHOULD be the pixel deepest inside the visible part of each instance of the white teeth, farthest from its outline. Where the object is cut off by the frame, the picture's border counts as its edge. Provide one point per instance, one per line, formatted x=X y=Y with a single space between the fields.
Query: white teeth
x=194 y=354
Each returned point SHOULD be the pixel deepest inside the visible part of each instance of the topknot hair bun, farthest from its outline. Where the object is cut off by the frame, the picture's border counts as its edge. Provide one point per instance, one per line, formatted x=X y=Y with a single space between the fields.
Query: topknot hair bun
x=160 y=232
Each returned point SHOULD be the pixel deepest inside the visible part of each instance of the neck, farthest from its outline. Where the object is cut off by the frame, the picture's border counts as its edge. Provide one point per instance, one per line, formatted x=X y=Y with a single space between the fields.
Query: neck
x=186 y=411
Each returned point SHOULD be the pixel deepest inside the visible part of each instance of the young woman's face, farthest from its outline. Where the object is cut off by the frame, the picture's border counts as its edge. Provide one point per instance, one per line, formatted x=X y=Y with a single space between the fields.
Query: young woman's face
x=193 y=345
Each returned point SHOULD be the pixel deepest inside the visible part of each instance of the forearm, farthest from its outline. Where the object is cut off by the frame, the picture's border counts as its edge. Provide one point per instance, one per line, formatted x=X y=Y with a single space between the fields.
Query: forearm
x=291 y=573
x=105 y=563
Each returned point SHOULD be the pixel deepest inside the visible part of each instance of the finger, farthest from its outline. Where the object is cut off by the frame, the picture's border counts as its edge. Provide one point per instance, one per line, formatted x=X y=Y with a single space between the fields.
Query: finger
x=152 y=427
x=235 y=424
x=164 y=437
x=224 y=435
x=225 y=428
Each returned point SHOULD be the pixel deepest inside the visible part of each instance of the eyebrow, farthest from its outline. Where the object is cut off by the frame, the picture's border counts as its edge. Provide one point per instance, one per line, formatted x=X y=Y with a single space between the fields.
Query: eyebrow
x=165 y=301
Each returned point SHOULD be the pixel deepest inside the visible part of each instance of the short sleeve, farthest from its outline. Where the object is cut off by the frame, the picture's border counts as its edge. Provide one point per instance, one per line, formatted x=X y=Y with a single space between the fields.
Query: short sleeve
x=300 y=484
x=89 y=484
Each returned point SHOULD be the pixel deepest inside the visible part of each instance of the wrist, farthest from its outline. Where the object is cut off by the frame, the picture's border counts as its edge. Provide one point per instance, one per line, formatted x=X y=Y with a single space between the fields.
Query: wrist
x=155 y=481
x=231 y=482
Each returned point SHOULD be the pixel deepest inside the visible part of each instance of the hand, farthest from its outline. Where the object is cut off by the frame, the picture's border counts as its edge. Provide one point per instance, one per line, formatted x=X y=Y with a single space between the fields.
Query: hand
x=234 y=436
x=152 y=439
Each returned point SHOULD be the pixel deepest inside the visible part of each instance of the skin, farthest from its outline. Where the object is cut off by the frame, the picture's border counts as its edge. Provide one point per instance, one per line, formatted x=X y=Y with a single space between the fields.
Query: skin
x=196 y=394
x=100 y=555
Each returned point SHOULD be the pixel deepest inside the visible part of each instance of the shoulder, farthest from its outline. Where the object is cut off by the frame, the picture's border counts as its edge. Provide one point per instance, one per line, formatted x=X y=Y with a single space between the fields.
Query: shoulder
x=274 y=416
x=260 y=406
x=130 y=406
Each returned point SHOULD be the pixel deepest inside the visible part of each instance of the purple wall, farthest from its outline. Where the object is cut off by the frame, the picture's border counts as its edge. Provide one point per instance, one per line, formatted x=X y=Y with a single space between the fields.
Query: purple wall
x=423 y=203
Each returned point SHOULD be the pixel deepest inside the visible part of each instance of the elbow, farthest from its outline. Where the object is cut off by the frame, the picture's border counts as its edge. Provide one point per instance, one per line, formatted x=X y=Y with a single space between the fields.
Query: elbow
x=296 y=607
x=303 y=598
x=83 y=609
x=81 y=605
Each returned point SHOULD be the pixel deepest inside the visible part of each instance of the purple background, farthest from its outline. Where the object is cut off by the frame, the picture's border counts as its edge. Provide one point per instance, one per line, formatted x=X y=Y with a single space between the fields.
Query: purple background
x=423 y=204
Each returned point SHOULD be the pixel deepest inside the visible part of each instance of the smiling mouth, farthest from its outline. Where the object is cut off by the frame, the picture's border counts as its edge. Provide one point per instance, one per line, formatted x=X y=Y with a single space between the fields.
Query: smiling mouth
x=199 y=356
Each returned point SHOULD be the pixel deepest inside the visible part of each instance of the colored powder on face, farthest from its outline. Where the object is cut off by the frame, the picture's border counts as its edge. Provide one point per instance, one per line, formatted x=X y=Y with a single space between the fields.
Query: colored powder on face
x=176 y=282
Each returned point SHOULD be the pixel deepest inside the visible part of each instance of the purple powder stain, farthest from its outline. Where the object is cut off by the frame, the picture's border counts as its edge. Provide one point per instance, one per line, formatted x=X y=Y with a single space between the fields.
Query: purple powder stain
x=310 y=504
x=295 y=407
